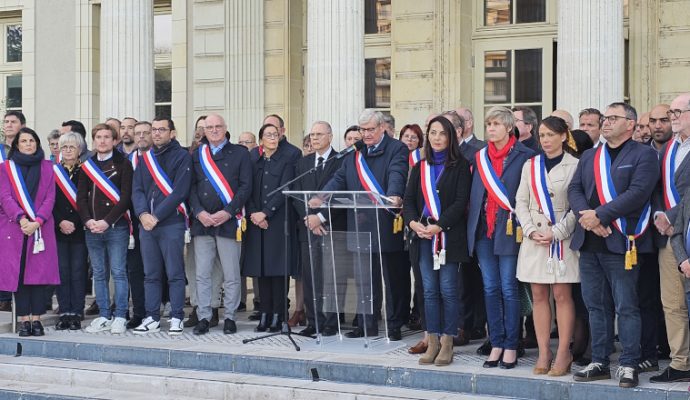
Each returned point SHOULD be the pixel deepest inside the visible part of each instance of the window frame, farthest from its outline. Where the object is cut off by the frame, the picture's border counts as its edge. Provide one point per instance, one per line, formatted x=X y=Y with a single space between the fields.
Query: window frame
x=10 y=68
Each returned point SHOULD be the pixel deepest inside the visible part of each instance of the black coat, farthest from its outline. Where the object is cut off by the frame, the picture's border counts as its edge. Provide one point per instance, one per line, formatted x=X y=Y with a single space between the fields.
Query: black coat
x=63 y=211
x=389 y=164
x=454 y=192
x=264 y=254
x=234 y=164
x=310 y=182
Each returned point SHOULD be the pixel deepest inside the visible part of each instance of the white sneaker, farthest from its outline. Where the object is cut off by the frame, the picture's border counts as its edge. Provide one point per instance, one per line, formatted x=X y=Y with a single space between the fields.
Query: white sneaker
x=118 y=326
x=149 y=325
x=99 y=324
x=175 y=327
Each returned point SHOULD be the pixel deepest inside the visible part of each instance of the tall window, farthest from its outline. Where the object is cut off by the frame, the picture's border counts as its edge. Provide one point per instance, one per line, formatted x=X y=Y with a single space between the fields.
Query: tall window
x=513 y=78
x=162 y=48
x=11 y=65
x=377 y=83
x=505 y=12
x=377 y=16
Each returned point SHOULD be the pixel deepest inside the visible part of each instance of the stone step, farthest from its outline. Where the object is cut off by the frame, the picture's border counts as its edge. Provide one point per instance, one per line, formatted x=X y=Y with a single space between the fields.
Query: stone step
x=35 y=377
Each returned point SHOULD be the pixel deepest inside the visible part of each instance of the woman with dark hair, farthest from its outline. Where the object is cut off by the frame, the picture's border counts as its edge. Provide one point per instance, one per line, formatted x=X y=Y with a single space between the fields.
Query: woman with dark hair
x=28 y=256
x=434 y=208
x=352 y=135
x=494 y=234
x=545 y=259
x=265 y=252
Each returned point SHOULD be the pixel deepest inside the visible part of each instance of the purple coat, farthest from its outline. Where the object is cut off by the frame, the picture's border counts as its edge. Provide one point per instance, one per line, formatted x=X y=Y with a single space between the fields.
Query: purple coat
x=41 y=268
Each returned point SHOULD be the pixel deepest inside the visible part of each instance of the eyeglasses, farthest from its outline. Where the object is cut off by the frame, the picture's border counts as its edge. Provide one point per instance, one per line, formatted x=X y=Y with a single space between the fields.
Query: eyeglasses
x=612 y=118
x=53 y=144
x=199 y=129
x=413 y=138
x=367 y=130
x=245 y=142
x=68 y=148
x=159 y=130
x=212 y=128
x=271 y=135
x=676 y=113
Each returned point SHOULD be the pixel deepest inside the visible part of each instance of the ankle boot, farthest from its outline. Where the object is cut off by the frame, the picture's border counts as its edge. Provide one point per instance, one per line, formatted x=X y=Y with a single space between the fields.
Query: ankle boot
x=263 y=323
x=431 y=351
x=275 y=323
x=214 y=317
x=193 y=319
x=445 y=355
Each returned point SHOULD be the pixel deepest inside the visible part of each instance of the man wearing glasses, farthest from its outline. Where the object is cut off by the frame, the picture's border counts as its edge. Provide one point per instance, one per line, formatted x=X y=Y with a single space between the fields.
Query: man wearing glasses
x=610 y=193
x=247 y=139
x=163 y=223
x=675 y=163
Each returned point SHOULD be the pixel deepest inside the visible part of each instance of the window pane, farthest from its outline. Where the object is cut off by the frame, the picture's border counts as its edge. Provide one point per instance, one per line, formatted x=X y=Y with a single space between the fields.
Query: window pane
x=162 y=34
x=377 y=82
x=497 y=77
x=531 y=11
x=528 y=74
x=14 y=43
x=377 y=16
x=14 y=91
x=163 y=85
x=497 y=12
x=163 y=111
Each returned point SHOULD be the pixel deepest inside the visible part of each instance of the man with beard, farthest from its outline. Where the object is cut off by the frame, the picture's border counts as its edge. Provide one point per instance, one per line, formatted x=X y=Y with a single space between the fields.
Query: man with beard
x=127 y=143
x=660 y=126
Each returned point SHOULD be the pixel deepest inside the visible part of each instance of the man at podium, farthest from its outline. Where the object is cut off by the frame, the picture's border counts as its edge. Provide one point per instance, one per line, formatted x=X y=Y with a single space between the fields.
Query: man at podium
x=382 y=168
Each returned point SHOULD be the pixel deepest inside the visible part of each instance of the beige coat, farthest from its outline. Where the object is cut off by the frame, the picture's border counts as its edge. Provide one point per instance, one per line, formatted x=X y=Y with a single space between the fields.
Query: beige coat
x=532 y=259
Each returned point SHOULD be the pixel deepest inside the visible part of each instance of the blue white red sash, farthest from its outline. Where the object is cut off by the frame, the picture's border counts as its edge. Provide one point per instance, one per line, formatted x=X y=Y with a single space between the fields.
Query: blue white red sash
x=24 y=198
x=164 y=185
x=433 y=205
x=105 y=185
x=415 y=156
x=65 y=184
x=668 y=170
x=496 y=189
x=366 y=177
x=3 y=156
x=541 y=194
x=134 y=159
x=218 y=181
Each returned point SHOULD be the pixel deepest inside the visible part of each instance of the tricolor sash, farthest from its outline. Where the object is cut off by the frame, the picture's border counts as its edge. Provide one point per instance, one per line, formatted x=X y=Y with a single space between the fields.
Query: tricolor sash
x=20 y=190
x=415 y=156
x=668 y=170
x=65 y=184
x=3 y=156
x=607 y=193
x=541 y=194
x=165 y=186
x=220 y=185
x=108 y=188
x=134 y=159
x=370 y=184
x=433 y=205
x=497 y=190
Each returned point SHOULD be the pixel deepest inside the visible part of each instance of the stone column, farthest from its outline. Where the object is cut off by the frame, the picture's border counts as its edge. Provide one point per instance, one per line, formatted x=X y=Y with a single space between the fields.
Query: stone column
x=127 y=79
x=590 y=54
x=335 y=64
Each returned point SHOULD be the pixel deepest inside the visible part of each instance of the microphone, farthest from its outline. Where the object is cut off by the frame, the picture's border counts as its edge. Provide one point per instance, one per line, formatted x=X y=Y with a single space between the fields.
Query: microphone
x=358 y=145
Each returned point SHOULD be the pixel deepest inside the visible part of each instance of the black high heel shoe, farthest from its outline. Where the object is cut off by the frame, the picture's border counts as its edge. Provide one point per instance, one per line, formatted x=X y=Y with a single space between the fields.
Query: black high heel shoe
x=263 y=323
x=507 y=365
x=494 y=363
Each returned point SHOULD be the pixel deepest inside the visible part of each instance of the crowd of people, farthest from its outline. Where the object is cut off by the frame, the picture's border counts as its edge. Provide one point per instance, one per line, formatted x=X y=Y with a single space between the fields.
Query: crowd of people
x=595 y=219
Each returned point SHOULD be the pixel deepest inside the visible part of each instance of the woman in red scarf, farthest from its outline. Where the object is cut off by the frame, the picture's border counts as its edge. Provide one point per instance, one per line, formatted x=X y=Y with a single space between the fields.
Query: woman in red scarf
x=494 y=233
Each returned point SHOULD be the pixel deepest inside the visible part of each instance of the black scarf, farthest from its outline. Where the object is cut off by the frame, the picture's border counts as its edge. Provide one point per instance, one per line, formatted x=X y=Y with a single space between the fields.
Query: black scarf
x=30 y=167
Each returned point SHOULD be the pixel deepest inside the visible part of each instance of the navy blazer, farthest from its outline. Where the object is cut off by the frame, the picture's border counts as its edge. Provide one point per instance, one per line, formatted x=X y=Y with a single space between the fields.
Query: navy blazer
x=389 y=164
x=634 y=173
x=512 y=170
x=146 y=197
x=234 y=164
x=682 y=179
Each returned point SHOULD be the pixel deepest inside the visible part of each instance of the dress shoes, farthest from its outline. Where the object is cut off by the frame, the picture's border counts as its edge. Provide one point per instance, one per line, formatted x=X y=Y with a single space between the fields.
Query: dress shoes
x=419 y=348
x=255 y=316
x=276 y=323
x=671 y=375
x=329 y=331
x=485 y=348
x=394 y=334
x=263 y=323
x=37 y=329
x=202 y=327
x=63 y=323
x=309 y=331
x=189 y=323
x=93 y=309
x=229 y=326
x=136 y=321
x=242 y=306
x=25 y=328
x=75 y=323
x=357 y=333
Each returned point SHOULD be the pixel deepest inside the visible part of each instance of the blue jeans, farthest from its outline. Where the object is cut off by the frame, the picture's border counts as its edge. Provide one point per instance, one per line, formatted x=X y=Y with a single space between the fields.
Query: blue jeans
x=500 y=294
x=113 y=243
x=604 y=278
x=72 y=289
x=440 y=285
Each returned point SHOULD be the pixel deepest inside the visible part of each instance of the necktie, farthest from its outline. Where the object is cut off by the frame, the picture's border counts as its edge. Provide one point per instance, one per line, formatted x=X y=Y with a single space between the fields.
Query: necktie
x=319 y=168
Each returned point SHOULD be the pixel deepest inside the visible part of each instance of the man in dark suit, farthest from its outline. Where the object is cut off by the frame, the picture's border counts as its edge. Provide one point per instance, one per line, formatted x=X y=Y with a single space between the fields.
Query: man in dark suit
x=315 y=226
x=665 y=215
x=387 y=159
x=605 y=267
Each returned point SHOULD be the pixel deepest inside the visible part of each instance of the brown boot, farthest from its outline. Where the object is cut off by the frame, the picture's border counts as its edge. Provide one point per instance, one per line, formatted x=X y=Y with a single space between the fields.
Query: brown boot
x=214 y=317
x=193 y=319
x=431 y=351
x=445 y=355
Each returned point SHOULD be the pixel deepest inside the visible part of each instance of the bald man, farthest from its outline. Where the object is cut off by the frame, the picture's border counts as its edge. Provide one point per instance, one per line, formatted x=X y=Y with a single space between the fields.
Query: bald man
x=565 y=116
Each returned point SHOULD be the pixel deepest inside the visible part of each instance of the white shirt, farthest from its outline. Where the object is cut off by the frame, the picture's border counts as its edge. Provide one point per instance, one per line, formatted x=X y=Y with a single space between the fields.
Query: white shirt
x=467 y=139
x=324 y=155
x=104 y=157
x=601 y=141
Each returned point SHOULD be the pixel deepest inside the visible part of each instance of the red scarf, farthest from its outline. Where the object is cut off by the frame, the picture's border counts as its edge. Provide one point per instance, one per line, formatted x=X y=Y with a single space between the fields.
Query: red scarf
x=496 y=157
